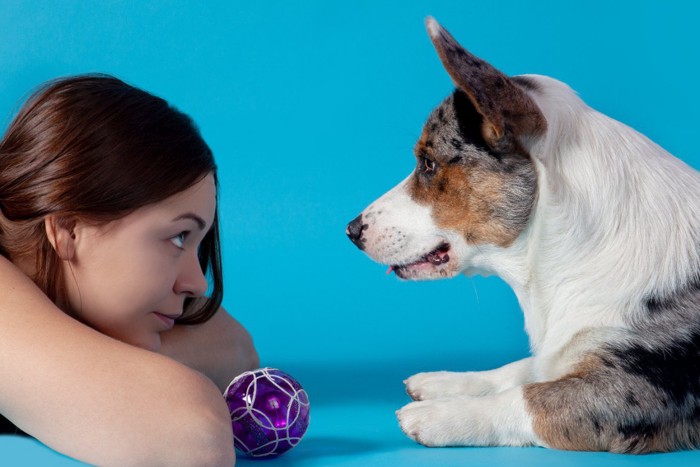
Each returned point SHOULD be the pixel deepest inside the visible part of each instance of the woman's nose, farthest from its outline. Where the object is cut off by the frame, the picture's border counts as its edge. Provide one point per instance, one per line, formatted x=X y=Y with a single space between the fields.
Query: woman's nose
x=191 y=281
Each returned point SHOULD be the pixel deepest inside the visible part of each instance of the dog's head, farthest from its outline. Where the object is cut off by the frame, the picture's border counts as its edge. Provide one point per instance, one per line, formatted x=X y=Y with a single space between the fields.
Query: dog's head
x=474 y=183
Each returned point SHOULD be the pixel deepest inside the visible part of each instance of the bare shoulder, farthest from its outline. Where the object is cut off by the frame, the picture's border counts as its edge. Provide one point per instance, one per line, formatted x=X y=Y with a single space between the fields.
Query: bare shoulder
x=59 y=372
x=220 y=348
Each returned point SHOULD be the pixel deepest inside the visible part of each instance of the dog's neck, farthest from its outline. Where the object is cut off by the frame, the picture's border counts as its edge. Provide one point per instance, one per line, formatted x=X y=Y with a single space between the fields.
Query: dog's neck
x=514 y=266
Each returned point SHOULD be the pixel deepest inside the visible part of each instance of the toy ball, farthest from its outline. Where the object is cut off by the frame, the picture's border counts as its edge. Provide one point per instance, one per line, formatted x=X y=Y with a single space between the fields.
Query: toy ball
x=269 y=412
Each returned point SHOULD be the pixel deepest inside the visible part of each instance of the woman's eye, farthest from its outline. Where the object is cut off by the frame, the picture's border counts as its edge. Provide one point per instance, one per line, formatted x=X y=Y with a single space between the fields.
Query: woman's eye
x=179 y=239
x=426 y=165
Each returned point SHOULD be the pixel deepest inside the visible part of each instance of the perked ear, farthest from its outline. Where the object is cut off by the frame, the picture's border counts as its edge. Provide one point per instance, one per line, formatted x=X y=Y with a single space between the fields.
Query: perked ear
x=61 y=235
x=508 y=112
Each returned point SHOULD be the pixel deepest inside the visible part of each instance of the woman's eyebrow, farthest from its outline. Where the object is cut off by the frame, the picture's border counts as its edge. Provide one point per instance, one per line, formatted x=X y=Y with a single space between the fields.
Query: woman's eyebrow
x=188 y=215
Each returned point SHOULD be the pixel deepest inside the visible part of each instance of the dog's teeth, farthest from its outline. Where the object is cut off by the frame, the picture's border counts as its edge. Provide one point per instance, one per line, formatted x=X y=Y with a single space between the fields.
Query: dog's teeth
x=437 y=259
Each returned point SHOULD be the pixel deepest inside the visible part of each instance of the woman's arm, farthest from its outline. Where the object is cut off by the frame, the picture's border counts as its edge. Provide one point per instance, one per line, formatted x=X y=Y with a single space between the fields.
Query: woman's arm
x=220 y=348
x=97 y=399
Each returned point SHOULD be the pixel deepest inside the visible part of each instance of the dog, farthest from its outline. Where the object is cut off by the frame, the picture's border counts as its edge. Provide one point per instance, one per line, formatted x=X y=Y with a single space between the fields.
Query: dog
x=597 y=230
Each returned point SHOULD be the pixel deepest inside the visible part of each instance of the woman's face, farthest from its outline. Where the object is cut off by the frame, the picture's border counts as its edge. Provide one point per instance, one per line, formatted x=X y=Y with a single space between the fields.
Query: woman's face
x=129 y=278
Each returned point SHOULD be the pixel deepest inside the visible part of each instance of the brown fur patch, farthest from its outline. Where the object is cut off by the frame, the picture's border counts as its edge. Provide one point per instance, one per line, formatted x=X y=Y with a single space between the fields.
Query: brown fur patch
x=463 y=199
x=550 y=424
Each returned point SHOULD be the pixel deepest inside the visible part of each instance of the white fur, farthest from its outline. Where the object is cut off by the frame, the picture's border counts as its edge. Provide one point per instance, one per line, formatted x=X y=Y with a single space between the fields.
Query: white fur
x=433 y=26
x=617 y=219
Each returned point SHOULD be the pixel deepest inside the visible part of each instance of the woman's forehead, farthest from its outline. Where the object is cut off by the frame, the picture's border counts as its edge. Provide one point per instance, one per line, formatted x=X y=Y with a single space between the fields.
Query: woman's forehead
x=197 y=201
x=200 y=198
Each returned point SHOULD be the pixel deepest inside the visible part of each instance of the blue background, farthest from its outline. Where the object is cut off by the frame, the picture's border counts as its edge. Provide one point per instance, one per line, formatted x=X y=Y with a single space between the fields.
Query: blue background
x=312 y=109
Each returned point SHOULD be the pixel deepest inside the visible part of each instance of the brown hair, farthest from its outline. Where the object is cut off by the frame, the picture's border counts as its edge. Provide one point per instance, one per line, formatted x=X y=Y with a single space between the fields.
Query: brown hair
x=95 y=148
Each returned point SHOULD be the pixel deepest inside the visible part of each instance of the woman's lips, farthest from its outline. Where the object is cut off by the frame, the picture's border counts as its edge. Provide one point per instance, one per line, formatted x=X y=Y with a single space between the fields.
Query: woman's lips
x=168 y=320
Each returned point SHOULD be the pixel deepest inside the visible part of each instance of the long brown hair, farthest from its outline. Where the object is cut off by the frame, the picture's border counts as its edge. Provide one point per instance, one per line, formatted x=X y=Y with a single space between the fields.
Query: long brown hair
x=95 y=148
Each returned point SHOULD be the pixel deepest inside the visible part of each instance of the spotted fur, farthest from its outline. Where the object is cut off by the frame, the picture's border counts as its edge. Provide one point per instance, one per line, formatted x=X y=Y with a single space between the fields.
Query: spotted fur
x=596 y=228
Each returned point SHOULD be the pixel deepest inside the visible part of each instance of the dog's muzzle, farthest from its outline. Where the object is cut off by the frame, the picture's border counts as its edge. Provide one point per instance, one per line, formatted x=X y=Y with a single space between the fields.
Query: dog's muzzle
x=354 y=232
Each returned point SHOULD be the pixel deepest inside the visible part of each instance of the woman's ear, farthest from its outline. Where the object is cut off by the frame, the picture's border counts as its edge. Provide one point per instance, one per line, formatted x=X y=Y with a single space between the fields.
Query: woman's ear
x=61 y=234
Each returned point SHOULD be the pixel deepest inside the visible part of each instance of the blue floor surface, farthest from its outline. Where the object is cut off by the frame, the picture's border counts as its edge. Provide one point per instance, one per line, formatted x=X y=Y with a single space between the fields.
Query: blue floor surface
x=353 y=424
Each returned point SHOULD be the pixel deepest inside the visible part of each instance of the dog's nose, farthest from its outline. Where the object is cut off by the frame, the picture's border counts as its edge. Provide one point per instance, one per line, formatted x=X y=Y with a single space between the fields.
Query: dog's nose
x=354 y=231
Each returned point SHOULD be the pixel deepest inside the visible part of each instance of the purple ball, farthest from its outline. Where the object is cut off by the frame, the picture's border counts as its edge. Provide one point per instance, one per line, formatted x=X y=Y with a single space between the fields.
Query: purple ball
x=269 y=412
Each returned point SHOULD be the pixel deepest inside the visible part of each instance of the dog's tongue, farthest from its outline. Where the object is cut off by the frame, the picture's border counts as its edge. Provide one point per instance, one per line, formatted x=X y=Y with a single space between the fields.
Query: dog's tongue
x=390 y=270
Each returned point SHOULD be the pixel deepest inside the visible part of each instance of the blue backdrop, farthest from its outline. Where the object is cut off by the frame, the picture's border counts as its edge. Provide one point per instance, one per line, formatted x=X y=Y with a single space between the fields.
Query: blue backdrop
x=312 y=109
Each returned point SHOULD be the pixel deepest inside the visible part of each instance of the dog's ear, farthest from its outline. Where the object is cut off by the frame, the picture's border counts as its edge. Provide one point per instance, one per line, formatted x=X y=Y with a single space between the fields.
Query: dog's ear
x=509 y=114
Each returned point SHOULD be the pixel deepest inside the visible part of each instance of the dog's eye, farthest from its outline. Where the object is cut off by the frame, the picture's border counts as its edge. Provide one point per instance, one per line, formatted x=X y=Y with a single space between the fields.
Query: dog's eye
x=426 y=166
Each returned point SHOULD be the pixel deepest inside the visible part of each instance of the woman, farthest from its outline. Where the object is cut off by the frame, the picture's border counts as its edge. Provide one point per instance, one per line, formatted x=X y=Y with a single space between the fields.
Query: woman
x=112 y=349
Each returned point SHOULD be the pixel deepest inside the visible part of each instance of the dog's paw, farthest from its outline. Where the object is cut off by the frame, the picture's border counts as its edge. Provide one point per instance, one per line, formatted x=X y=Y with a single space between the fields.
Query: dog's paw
x=444 y=384
x=495 y=420
x=420 y=420
x=433 y=423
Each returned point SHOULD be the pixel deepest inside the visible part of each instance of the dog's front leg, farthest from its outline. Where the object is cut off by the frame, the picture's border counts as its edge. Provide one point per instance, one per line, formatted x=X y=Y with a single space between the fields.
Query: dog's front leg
x=443 y=384
x=496 y=420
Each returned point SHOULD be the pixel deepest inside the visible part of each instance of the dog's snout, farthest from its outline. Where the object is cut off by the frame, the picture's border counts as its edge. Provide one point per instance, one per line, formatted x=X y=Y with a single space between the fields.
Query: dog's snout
x=354 y=231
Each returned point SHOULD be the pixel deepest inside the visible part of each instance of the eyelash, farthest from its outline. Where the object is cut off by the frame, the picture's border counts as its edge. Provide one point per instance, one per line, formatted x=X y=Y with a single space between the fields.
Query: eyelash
x=179 y=239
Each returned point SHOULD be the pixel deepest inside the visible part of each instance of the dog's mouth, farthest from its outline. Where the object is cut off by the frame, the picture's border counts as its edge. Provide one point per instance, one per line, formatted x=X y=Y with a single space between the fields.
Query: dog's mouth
x=431 y=260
